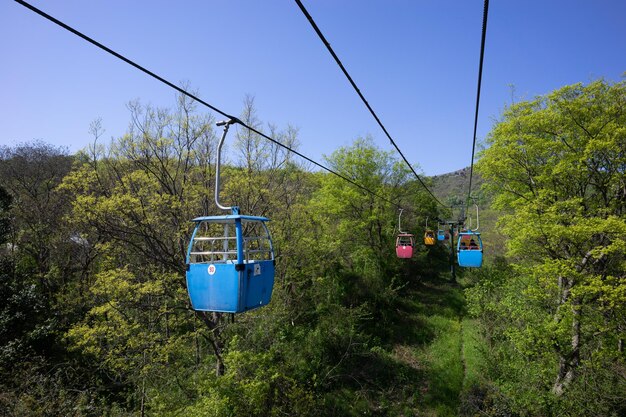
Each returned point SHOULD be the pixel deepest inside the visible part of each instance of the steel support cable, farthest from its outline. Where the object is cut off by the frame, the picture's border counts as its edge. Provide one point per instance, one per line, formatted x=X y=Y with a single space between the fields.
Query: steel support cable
x=345 y=72
x=480 y=76
x=199 y=100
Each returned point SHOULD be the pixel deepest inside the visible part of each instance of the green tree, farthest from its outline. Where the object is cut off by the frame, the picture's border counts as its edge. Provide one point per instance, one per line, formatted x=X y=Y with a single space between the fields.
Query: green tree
x=133 y=203
x=358 y=229
x=43 y=265
x=365 y=221
x=37 y=253
x=557 y=165
x=31 y=173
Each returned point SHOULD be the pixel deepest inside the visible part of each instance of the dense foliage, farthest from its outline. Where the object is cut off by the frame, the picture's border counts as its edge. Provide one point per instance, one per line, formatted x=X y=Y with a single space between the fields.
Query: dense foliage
x=556 y=316
x=93 y=266
x=95 y=318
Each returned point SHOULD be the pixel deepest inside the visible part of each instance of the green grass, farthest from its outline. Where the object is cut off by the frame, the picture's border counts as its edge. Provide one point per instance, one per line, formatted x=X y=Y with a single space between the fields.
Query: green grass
x=437 y=306
x=444 y=367
x=473 y=353
x=430 y=353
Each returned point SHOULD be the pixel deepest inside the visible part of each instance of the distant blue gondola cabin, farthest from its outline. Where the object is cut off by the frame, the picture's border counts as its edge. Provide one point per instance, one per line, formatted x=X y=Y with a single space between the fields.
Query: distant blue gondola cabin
x=441 y=235
x=469 y=249
x=230 y=264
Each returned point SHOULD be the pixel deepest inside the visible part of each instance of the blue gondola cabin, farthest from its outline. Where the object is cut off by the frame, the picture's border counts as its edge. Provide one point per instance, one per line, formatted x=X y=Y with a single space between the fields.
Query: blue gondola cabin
x=230 y=264
x=470 y=249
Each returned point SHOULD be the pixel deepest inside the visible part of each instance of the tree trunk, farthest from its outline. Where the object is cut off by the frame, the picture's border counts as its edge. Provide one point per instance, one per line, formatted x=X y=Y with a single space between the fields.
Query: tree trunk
x=143 y=390
x=568 y=363
x=212 y=320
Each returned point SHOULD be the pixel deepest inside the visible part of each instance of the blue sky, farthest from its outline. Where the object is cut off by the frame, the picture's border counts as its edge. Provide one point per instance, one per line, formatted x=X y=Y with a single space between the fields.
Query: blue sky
x=416 y=62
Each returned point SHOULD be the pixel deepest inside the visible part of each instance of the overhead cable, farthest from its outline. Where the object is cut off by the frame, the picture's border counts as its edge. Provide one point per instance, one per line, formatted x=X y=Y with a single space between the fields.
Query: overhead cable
x=480 y=76
x=338 y=61
x=199 y=100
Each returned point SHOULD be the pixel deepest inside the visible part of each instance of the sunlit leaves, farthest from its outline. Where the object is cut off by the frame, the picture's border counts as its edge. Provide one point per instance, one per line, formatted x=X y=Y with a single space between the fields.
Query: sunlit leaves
x=557 y=165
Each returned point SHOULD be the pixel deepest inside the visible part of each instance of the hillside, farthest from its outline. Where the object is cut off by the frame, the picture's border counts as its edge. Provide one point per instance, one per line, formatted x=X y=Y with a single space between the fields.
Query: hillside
x=451 y=188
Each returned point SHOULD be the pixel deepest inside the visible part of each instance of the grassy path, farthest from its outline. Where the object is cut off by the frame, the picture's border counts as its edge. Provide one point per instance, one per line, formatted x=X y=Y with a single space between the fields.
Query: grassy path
x=462 y=351
x=448 y=352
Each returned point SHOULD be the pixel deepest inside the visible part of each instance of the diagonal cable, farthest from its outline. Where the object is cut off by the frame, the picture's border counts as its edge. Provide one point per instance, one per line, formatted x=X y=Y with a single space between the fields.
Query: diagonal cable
x=338 y=61
x=199 y=100
x=480 y=76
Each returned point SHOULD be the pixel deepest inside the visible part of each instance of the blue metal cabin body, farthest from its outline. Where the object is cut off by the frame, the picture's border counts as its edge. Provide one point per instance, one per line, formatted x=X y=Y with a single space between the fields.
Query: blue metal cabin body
x=441 y=235
x=226 y=273
x=470 y=249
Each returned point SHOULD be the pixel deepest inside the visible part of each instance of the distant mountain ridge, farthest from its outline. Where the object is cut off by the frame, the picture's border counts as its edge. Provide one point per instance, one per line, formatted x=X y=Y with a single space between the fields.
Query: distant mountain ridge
x=451 y=188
